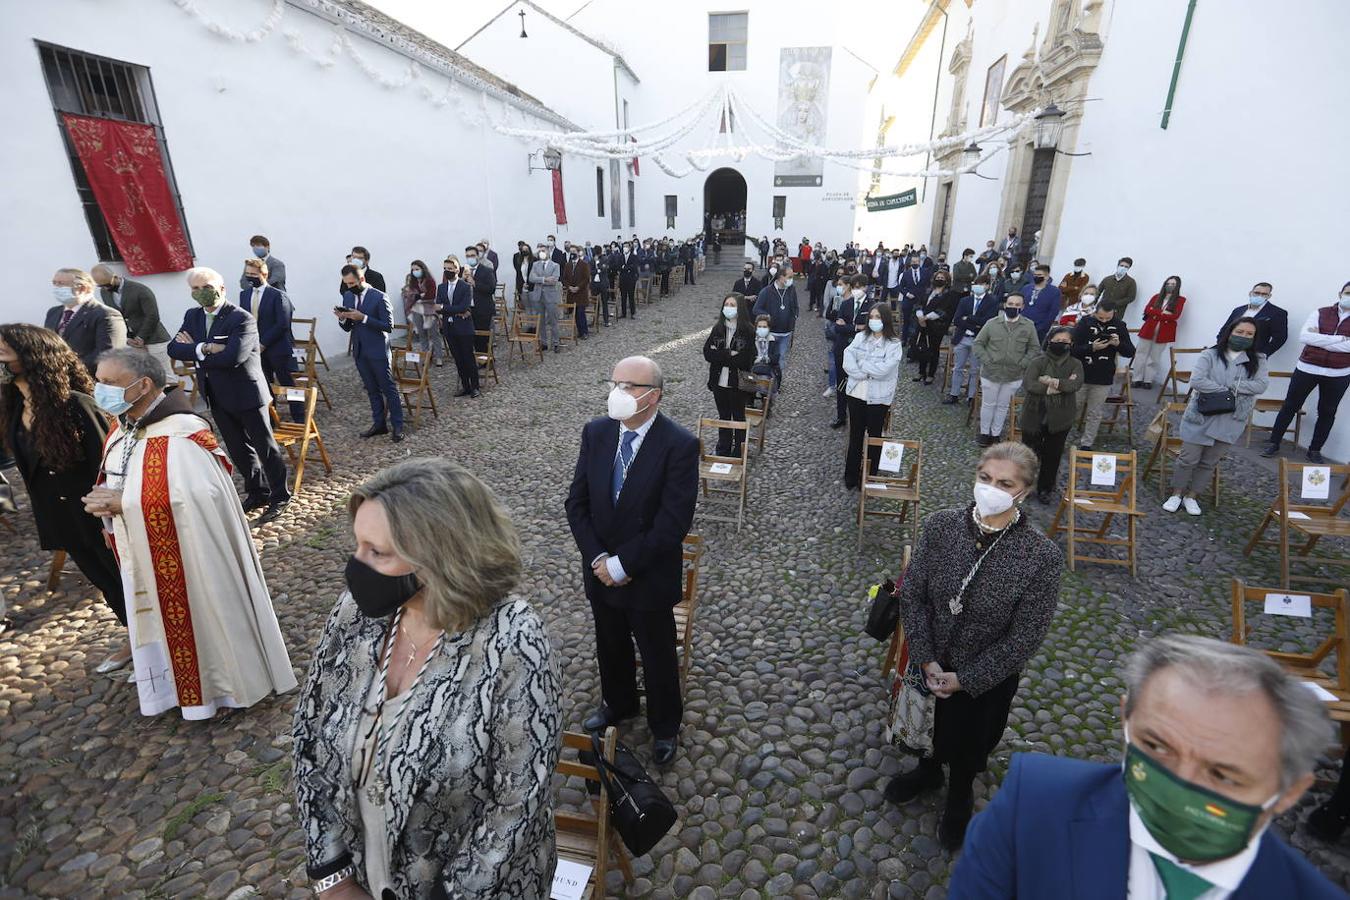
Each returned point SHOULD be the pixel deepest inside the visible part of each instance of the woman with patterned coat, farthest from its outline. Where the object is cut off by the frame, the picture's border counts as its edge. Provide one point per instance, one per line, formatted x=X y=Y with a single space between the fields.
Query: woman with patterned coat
x=977 y=600
x=429 y=726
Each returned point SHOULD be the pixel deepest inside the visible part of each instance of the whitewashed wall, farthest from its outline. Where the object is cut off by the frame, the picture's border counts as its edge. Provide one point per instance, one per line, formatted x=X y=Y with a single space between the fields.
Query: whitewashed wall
x=1212 y=198
x=263 y=140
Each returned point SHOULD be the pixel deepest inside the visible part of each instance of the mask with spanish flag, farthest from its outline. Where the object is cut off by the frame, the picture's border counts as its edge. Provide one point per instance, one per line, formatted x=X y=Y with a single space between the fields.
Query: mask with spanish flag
x=1192 y=823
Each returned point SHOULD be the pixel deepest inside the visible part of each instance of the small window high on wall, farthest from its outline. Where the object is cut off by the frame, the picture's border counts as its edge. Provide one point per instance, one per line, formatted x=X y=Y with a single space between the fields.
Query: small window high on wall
x=82 y=84
x=727 y=34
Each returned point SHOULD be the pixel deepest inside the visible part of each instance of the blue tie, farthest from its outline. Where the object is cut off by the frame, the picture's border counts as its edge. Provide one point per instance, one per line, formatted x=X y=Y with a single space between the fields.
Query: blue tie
x=621 y=464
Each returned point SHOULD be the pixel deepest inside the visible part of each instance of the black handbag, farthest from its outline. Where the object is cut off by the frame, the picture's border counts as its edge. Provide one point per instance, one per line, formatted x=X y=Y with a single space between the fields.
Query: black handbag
x=1213 y=403
x=884 y=613
x=640 y=810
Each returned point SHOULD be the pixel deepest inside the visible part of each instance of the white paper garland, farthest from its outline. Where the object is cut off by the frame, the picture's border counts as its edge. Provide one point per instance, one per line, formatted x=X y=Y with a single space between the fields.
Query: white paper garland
x=250 y=37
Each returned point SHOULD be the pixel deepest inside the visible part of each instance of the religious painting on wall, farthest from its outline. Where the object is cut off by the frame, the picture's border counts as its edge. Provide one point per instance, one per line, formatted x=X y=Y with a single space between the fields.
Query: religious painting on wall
x=803 y=103
x=993 y=91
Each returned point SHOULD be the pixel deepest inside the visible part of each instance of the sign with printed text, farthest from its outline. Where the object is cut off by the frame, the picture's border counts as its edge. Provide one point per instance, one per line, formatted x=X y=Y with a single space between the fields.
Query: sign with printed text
x=414 y=357
x=1289 y=605
x=296 y=394
x=569 y=880
x=1316 y=483
x=1104 y=469
x=893 y=201
x=299 y=354
x=892 y=454
x=720 y=468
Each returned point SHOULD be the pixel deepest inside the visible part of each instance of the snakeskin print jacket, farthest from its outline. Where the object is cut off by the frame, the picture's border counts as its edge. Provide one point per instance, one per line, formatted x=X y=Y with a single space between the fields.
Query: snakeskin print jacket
x=469 y=767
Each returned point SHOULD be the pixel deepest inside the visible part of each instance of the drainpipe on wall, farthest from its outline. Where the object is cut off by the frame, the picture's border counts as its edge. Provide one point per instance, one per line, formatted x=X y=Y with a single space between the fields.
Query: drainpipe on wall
x=1176 y=66
x=937 y=82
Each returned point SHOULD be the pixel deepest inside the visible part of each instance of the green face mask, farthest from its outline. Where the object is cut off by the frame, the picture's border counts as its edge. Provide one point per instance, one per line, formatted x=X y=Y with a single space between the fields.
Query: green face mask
x=1192 y=823
x=205 y=295
x=1239 y=343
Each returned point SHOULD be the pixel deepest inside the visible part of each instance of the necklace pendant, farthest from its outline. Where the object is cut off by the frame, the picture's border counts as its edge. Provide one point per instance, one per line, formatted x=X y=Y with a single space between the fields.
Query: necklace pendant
x=375 y=792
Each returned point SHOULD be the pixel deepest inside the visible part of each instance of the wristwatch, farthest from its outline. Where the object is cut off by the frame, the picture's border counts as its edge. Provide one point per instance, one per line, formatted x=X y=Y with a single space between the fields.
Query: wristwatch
x=331 y=881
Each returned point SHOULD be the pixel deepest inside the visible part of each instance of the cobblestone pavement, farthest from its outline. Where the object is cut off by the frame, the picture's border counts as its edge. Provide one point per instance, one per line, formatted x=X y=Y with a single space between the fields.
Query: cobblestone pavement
x=779 y=780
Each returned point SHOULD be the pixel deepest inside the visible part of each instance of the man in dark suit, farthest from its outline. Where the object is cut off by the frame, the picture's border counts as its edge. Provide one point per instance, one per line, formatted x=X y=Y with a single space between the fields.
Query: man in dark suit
x=365 y=314
x=482 y=278
x=276 y=269
x=454 y=299
x=87 y=326
x=748 y=284
x=913 y=288
x=630 y=505
x=486 y=252
x=576 y=281
x=360 y=257
x=222 y=341
x=555 y=252
x=626 y=264
x=1272 y=322
x=272 y=310
x=1219 y=741
x=688 y=255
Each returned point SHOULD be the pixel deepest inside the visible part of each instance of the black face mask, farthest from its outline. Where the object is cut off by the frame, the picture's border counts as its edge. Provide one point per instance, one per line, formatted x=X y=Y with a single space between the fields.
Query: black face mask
x=1057 y=348
x=255 y=281
x=450 y=274
x=378 y=595
x=357 y=289
x=1039 y=279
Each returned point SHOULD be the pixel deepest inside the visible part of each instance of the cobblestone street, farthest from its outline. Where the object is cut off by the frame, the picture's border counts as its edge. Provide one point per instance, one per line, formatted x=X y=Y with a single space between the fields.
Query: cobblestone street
x=782 y=761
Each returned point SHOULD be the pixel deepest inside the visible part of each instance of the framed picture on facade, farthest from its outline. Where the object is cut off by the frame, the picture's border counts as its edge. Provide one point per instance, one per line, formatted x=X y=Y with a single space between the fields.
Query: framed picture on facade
x=993 y=91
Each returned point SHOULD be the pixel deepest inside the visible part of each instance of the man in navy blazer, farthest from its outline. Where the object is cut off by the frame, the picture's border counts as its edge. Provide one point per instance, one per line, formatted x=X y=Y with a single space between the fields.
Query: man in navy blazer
x=626 y=264
x=221 y=340
x=630 y=505
x=1272 y=322
x=272 y=310
x=454 y=298
x=1219 y=741
x=365 y=314
x=913 y=289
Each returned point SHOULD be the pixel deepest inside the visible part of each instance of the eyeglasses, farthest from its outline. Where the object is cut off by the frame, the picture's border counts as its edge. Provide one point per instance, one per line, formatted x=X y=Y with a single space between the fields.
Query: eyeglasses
x=625 y=385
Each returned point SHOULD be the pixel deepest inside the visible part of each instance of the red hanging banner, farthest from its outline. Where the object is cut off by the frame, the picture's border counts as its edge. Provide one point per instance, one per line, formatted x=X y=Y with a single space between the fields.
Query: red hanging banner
x=559 y=209
x=635 y=159
x=126 y=172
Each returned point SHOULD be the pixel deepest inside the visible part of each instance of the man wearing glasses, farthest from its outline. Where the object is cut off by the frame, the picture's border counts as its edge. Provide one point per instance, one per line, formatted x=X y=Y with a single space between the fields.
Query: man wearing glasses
x=630 y=505
x=1272 y=322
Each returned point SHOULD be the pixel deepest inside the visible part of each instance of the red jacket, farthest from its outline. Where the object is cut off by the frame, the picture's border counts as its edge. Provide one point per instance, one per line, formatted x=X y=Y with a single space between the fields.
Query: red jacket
x=1160 y=326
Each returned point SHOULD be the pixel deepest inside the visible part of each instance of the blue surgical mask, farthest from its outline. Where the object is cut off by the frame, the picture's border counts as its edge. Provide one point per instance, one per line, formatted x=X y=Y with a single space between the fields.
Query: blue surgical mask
x=875 y=325
x=729 y=312
x=978 y=291
x=1122 y=270
x=260 y=252
x=1344 y=301
x=417 y=273
x=112 y=399
x=1255 y=300
x=762 y=331
x=64 y=295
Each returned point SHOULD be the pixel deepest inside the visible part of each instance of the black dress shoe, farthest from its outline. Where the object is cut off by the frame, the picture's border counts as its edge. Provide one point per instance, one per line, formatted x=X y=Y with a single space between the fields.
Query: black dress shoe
x=603 y=718
x=838 y=423
x=274 y=511
x=905 y=787
x=252 y=503
x=1045 y=496
x=1325 y=823
x=955 y=818
x=916 y=379
x=398 y=436
x=664 y=749
x=1270 y=450
x=475 y=394
x=949 y=400
x=374 y=430
x=1315 y=456
x=463 y=393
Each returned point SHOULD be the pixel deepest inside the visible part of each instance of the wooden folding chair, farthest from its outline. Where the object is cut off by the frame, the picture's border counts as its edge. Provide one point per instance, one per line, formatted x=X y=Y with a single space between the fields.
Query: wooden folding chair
x=487 y=358
x=1014 y=425
x=1273 y=405
x=525 y=333
x=1167 y=446
x=757 y=409
x=1110 y=492
x=186 y=373
x=308 y=326
x=586 y=839
x=896 y=481
x=1121 y=399
x=714 y=471
x=412 y=376
x=643 y=293
x=973 y=408
x=687 y=609
x=1304 y=666
x=567 y=323
x=1307 y=521
x=401 y=336
x=300 y=439
x=1177 y=376
x=306 y=362
x=54 y=573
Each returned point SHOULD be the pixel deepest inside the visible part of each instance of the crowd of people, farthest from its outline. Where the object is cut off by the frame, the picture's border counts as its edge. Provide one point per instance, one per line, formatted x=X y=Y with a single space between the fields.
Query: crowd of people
x=429 y=724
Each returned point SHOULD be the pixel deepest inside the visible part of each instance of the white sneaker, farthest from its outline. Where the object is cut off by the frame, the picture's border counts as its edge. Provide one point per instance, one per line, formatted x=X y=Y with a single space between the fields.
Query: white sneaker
x=1191 y=506
x=1173 y=503
x=828 y=392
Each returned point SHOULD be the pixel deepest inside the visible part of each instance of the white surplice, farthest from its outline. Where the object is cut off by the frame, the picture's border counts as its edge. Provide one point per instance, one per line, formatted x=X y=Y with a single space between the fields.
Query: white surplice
x=203 y=632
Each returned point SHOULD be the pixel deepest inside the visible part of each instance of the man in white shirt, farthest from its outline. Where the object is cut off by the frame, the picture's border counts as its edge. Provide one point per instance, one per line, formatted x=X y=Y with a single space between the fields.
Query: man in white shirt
x=1219 y=740
x=1324 y=366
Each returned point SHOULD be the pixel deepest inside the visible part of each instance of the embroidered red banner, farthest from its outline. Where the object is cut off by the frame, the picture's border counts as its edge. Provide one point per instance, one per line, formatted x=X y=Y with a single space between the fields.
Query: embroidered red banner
x=635 y=159
x=126 y=172
x=559 y=209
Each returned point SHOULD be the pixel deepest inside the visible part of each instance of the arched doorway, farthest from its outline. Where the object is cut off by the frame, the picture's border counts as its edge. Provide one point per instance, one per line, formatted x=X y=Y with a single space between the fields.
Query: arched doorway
x=724 y=195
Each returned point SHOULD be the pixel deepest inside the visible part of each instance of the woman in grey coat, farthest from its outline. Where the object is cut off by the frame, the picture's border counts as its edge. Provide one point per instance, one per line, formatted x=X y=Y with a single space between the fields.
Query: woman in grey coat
x=1231 y=364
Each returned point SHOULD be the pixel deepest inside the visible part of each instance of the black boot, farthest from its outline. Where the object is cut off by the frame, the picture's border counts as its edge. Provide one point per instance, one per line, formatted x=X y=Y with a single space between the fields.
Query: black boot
x=956 y=815
x=1326 y=824
x=927 y=776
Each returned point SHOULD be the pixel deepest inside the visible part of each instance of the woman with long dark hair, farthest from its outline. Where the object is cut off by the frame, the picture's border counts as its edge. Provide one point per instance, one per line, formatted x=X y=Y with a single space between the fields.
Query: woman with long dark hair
x=1233 y=365
x=419 y=308
x=52 y=427
x=934 y=315
x=872 y=363
x=730 y=350
x=1158 y=332
x=520 y=263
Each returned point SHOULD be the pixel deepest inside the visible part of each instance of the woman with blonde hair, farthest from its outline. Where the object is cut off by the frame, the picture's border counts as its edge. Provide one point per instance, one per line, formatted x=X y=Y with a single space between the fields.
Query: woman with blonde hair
x=429 y=725
x=977 y=599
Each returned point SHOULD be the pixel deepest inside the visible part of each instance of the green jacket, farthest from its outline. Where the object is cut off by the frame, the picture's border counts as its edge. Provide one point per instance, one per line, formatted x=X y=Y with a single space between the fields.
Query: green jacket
x=1004 y=348
x=1044 y=411
x=1120 y=292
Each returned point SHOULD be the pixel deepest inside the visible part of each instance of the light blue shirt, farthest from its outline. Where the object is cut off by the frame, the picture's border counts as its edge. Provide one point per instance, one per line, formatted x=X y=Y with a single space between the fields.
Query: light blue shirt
x=612 y=563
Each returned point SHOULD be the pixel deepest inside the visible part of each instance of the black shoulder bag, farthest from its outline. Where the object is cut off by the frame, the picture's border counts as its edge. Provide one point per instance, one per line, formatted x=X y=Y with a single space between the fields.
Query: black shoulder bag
x=640 y=810
x=1213 y=403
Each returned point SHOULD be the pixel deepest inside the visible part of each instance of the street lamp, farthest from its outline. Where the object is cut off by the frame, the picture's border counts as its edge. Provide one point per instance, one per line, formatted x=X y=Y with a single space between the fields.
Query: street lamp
x=1049 y=124
x=971 y=156
x=552 y=160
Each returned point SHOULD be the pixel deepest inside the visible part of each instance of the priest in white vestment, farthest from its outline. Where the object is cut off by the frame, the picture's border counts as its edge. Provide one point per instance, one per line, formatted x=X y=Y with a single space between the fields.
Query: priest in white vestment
x=204 y=636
